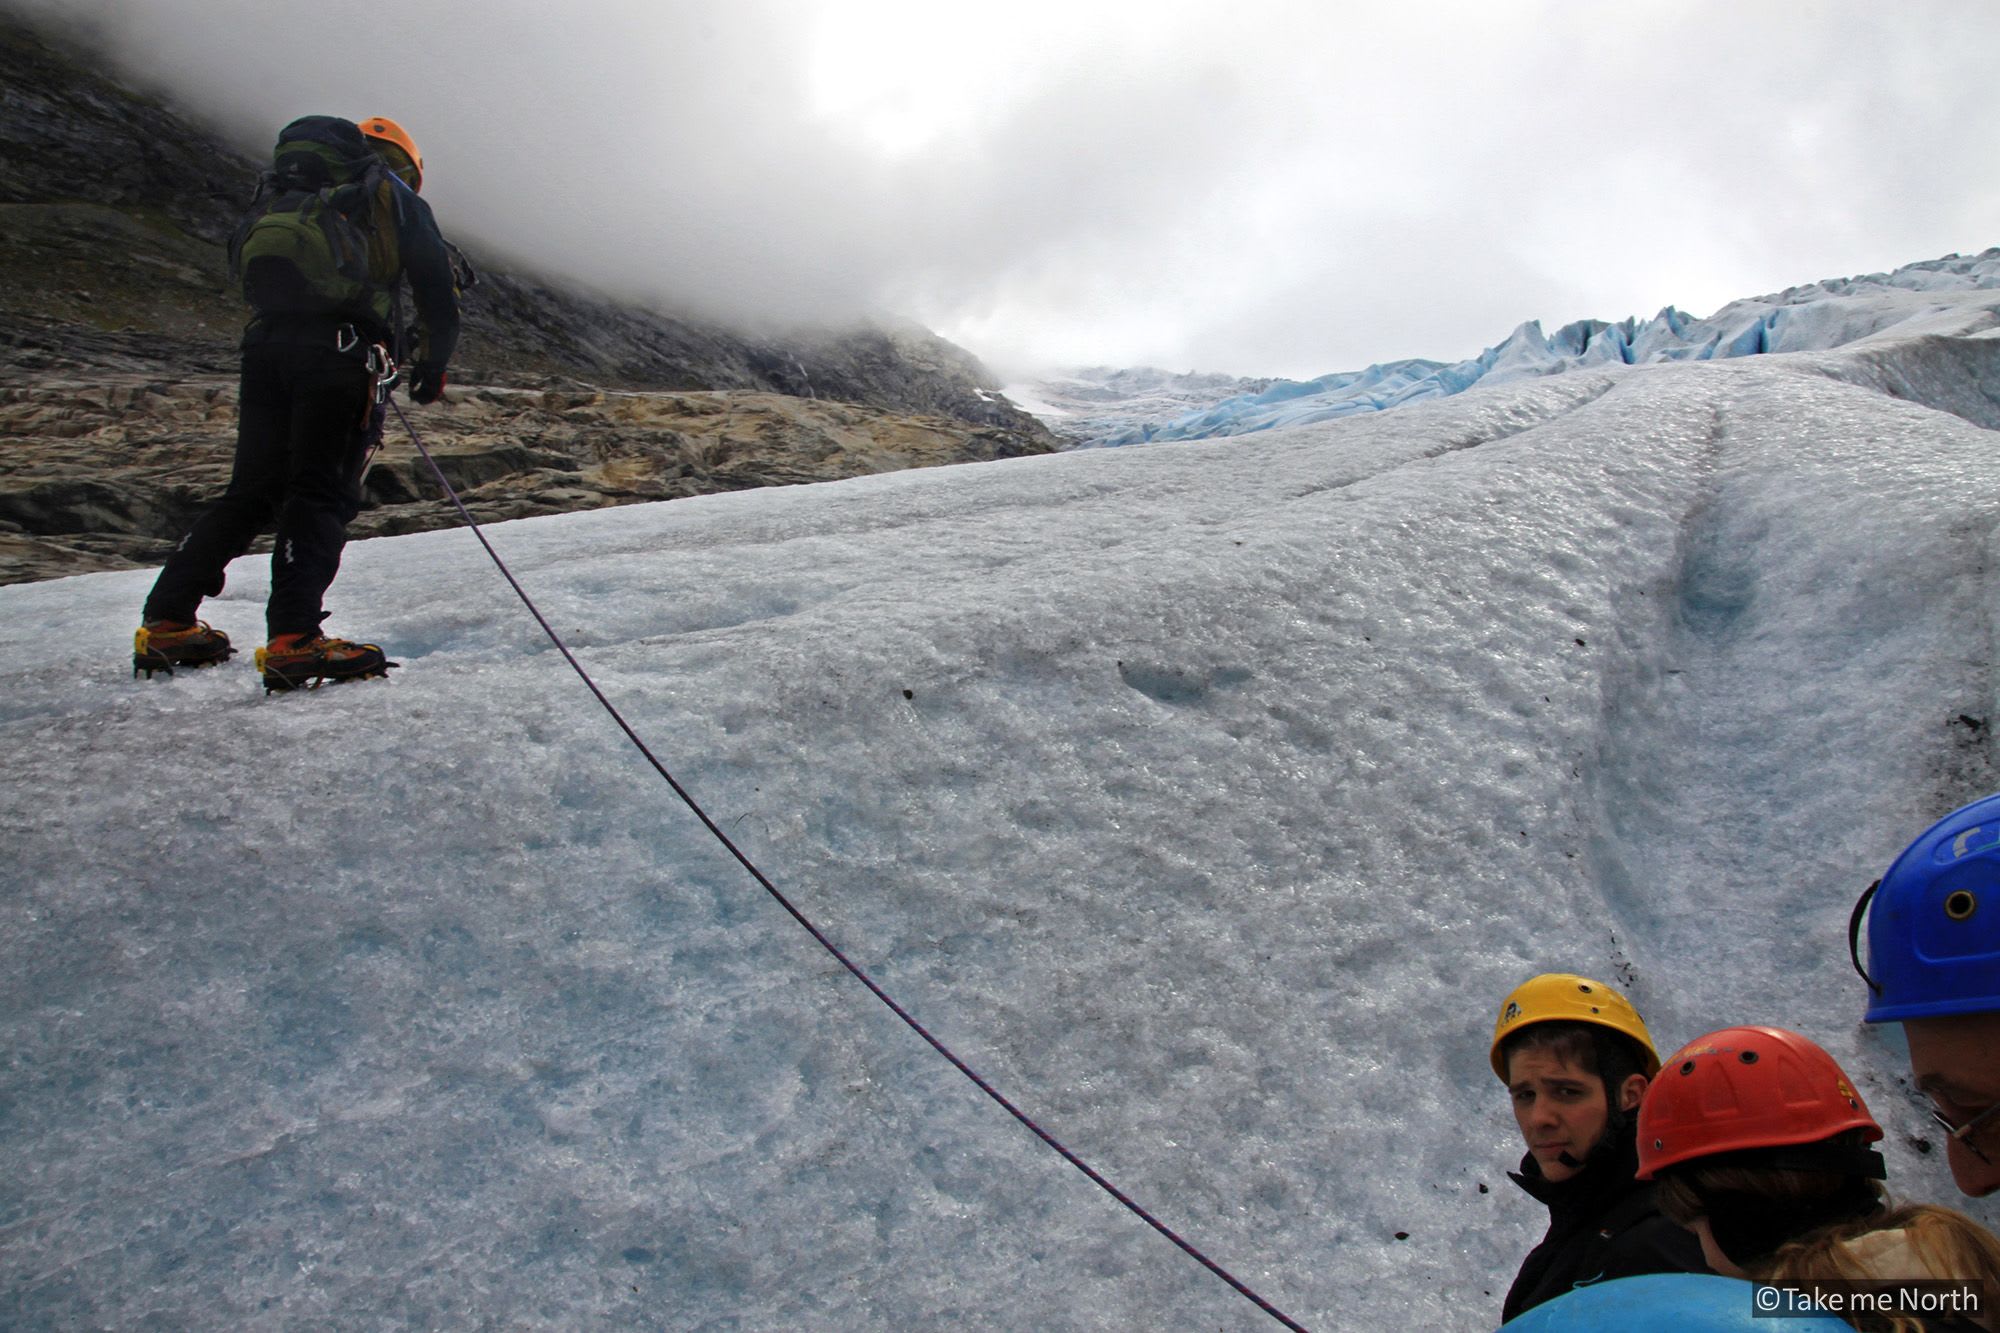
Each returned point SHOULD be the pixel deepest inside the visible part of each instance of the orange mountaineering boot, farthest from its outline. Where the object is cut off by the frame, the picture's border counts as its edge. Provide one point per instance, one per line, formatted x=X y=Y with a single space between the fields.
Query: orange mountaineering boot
x=306 y=661
x=162 y=645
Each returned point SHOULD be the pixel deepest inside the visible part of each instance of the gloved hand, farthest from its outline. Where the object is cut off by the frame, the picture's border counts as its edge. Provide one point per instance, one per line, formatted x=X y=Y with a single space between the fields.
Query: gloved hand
x=426 y=383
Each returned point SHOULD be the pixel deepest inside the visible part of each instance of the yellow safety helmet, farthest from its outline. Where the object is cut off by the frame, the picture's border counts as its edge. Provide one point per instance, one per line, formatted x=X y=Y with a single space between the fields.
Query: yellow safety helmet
x=1565 y=997
x=384 y=130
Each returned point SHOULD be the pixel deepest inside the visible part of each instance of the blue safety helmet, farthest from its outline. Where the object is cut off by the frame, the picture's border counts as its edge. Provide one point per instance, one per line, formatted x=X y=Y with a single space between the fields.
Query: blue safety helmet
x=1934 y=926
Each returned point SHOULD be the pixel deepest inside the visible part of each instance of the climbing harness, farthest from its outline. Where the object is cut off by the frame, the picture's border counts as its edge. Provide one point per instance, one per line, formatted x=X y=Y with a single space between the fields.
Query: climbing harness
x=806 y=923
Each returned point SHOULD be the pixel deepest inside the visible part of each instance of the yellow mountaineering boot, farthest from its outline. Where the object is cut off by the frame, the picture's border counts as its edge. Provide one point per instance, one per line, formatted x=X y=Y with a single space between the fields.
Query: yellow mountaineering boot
x=295 y=661
x=162 y=645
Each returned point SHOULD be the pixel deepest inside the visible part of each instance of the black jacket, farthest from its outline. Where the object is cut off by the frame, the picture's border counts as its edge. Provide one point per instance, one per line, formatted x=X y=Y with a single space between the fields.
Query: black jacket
x=1602 y=1224
x=426 y=263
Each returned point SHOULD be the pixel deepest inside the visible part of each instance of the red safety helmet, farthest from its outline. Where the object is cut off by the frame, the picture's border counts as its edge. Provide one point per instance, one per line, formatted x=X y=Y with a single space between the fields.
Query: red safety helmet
x=1744 y=1088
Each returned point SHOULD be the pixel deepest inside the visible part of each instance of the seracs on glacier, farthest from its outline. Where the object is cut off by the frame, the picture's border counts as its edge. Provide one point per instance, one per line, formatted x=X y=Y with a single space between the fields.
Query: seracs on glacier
x=1096 y=407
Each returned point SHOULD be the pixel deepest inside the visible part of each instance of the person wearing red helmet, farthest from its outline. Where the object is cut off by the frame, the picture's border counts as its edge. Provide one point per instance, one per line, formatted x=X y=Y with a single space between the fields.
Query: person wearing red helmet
x=1760 y=1145
x=1575 y=1057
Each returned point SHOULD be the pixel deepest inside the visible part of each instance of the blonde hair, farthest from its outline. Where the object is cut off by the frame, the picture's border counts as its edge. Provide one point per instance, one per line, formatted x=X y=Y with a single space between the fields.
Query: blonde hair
x=1946 y=1243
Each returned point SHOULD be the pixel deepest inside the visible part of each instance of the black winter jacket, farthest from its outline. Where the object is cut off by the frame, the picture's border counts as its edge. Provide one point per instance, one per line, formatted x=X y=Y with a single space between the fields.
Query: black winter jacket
x=1602 y=1224
x=426 y=263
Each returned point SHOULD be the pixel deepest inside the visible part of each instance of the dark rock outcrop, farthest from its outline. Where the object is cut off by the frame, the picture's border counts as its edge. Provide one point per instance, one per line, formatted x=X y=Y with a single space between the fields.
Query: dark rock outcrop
x=106 y=473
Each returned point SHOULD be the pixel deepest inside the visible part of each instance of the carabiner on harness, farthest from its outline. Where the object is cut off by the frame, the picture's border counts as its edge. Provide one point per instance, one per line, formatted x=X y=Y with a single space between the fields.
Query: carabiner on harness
x=387 y=374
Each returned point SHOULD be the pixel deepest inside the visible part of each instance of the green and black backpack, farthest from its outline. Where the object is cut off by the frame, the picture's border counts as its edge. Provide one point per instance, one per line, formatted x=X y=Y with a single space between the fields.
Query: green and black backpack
x=320 y=236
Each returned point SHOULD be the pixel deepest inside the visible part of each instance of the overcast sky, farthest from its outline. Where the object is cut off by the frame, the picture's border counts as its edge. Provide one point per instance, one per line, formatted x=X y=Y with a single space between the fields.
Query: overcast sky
x=1254 y=186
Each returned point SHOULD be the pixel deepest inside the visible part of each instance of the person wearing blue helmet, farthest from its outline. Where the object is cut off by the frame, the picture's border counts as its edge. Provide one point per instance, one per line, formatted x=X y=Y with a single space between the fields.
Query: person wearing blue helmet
x=1933 y=923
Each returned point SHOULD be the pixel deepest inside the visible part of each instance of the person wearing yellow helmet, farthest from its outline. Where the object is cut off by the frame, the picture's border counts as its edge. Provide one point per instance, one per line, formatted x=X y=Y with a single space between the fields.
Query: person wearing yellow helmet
x=1576 y=1059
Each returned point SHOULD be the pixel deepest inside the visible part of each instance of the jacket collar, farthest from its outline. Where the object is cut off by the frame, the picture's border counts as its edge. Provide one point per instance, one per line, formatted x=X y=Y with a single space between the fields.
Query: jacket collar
x=1607 y=1173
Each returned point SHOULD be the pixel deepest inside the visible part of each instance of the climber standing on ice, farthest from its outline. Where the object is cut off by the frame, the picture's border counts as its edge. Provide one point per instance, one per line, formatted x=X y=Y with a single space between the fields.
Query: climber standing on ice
x=321 y=257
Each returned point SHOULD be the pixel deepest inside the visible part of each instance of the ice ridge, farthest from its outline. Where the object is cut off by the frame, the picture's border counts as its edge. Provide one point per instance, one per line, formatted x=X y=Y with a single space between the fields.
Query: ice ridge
x=1091 y=410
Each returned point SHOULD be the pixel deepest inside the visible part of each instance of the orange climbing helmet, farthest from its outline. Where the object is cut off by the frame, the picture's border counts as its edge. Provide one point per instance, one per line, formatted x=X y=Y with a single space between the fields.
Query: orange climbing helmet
x=1746 y=1088
x=381 y=129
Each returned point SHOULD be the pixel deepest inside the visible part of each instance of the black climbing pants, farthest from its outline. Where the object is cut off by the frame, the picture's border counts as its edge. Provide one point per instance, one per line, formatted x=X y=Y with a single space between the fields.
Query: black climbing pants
x=301 y=444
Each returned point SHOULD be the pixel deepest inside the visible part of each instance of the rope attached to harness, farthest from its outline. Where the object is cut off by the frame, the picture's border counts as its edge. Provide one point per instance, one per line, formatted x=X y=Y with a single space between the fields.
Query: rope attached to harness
x=854 y=969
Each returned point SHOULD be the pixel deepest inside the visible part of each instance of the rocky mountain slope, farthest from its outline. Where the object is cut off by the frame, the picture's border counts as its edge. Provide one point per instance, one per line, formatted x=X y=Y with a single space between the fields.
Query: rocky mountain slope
x=117 y=360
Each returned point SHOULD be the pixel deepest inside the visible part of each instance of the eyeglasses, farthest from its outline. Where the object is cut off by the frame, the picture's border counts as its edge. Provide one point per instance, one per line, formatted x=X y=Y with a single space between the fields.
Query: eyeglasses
x=1963 y=1133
